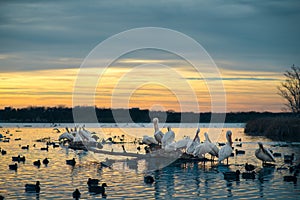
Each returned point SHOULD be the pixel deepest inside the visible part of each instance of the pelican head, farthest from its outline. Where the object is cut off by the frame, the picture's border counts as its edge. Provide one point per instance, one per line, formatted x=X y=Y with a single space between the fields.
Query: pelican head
x=228 y=136
x=229 y=133
x=206 y=137
x=155 y=120
x=260 y=145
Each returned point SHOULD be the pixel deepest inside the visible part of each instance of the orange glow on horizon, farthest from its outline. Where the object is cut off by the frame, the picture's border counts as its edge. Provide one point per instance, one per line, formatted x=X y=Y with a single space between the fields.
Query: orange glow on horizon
x=55 y=87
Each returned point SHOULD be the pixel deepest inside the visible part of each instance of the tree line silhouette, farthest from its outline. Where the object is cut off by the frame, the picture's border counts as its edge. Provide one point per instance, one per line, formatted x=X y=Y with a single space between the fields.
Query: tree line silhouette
x=62 y=114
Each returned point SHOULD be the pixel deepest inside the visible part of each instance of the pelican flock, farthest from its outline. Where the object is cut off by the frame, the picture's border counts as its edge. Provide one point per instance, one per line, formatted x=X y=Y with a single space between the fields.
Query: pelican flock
x=161 y=142
x=79 y=138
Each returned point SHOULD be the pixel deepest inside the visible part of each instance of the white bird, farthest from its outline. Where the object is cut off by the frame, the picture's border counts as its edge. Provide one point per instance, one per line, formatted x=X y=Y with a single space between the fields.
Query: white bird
x=158 y=135
x=226 y=150
x=264 y=154
x=193 y=143
x=181 y=144
x=206 y=147
x=168 y=138
x=200 y=150
x=148 y=140
x=170 y=147
x=78 y=138
x=214 y=150
x=67 y=136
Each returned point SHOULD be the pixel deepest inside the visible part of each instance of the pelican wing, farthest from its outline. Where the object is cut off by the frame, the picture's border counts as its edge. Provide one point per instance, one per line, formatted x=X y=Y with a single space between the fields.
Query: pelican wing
x=182 y=143
x=170 y=147
x=200 y=150
x=168 y=138
x=191 y=146
x=149 y=140
x=67 y=136
x=264 y=155
x=158 y=135
x=224 y=152
x=269 y=154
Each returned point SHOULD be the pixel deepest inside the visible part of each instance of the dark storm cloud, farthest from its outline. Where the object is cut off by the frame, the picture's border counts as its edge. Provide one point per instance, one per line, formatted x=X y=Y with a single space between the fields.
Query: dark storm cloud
x=262 y=35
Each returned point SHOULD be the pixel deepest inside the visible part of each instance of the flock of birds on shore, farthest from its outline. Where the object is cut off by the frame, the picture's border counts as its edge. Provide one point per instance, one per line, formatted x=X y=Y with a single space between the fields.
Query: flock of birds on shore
x=166 y=141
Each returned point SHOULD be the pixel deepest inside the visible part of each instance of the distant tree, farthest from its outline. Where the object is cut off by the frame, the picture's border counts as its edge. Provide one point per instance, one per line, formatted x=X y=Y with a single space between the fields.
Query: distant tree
x=290 y=89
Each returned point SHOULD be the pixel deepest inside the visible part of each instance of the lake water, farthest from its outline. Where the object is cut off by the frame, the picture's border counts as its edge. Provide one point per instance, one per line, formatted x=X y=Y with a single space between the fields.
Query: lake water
x=194 y=180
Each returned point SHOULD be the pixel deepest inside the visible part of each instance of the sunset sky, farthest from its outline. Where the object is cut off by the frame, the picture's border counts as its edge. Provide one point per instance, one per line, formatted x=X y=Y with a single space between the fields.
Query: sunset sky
x=43 y=44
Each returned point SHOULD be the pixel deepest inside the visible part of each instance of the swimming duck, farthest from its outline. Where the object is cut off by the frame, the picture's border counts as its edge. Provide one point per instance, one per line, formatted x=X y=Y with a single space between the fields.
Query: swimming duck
x=290 y=178
x=232 y=175
x=3 y=152
x=71 y=162
x=277 y=154
x=44 y=148
x=98 y=189
x=18 y=158
x=248 y=175
x=249 y=167
x=76 y=194
x=46 y=161
x=289 y=158
x=25 y=147
x=91 y=182
x=239 y=145
x=239 y=152
x=37 y=163
x=54 y=145
x=148 y=179
x=33 y=187
x=13 y=167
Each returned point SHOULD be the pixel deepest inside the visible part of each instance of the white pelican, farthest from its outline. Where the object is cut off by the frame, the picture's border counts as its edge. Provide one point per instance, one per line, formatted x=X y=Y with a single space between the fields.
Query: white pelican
x=170 y=147
x=214 y=150
x=193 y=143
x=67 y=136
x=226 y=150
x=148 y=140
x=158 y=135
x=200 y=150
x=168 y=138
x=181 y=144
x=264 y=154
x=78 y=138
x=206 y=147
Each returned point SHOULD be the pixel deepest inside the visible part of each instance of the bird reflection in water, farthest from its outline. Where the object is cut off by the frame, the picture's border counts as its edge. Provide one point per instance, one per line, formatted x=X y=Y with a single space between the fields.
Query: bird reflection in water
x=265 y=174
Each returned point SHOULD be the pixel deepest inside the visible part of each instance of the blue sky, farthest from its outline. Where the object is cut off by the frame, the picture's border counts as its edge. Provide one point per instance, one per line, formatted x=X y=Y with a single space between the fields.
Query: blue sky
x=245 y=37
x=242 y=35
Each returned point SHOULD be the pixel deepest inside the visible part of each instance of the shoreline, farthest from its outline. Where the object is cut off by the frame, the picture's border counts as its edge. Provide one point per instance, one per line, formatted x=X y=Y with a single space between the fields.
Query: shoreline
x=275 y=128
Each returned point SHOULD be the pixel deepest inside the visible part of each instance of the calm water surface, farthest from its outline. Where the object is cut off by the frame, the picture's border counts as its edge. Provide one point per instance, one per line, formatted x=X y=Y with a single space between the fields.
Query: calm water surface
x=125 y=179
